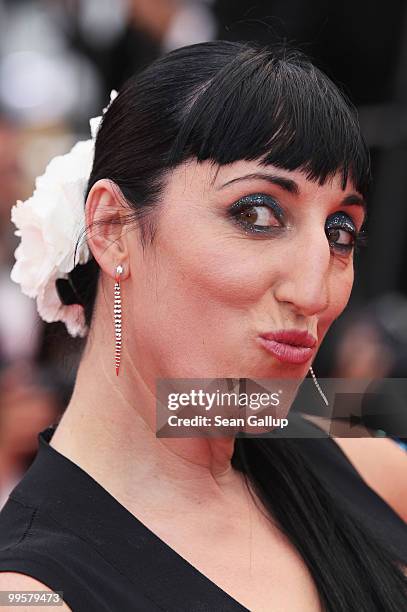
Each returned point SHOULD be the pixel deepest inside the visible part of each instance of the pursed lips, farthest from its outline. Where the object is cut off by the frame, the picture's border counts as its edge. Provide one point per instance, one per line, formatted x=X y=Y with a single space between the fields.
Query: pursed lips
x=289 y=345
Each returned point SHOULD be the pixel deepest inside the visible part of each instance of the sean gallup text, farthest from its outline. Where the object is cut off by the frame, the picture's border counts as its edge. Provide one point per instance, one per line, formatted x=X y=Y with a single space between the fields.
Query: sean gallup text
x=252 y=420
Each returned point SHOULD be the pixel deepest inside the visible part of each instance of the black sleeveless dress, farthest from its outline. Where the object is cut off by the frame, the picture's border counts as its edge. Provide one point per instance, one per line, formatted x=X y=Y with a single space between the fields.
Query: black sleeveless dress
x=64 y=529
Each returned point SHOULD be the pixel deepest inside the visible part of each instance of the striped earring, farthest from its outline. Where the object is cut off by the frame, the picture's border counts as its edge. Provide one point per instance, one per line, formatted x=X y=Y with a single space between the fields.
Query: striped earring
x=117 y=311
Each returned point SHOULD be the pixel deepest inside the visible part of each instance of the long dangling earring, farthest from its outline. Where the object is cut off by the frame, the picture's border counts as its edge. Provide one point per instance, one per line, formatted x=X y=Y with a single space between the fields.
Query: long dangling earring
x=117 y=311
x=318 y=386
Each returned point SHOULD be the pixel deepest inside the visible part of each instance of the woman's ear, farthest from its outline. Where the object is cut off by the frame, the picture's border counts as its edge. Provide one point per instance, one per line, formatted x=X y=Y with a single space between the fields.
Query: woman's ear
x=104 y=213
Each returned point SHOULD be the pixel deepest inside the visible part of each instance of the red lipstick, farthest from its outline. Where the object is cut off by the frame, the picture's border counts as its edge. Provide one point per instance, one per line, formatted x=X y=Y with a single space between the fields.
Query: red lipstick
x=289 y=345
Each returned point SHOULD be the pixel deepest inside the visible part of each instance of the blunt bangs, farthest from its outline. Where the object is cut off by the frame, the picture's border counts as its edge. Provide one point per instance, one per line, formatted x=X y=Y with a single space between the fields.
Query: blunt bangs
x=275 y=106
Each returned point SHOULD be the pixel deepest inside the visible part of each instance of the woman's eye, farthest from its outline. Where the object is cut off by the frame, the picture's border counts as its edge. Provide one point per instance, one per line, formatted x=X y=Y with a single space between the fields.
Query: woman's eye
x=257 y=213
x=340 y=236
x=341 y=233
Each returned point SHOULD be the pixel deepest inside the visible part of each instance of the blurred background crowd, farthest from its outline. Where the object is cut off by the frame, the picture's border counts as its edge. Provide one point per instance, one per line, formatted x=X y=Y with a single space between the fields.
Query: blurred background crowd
x=59 y=59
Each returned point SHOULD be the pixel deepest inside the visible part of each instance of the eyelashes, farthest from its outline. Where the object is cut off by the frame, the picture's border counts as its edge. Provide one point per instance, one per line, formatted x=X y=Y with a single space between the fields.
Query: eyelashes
x=259 y=214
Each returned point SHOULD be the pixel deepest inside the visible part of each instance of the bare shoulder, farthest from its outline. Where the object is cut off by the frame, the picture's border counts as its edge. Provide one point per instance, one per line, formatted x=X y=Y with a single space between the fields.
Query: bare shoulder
x=13 y=581
x=380 y=461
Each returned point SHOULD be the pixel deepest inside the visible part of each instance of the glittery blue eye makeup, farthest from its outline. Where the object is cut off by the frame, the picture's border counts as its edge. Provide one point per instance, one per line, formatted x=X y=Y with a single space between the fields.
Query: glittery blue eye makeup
x=261 y=215
x=342 y=233
x=258 y=213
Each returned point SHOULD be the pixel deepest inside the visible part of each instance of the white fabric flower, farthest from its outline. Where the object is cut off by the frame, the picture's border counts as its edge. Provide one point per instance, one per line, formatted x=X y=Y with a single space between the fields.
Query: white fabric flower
x=50 y=223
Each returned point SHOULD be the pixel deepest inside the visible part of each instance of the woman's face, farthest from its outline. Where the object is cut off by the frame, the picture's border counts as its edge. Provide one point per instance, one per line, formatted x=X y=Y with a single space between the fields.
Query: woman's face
x=238 y=254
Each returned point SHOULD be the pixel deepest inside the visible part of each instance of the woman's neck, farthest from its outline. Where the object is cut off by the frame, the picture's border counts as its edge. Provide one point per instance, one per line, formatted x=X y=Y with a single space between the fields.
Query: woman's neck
x=108 y=429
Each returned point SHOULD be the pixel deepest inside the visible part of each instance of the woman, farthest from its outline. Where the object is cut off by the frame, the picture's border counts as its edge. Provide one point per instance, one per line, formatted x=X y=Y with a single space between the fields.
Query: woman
x=229 y=185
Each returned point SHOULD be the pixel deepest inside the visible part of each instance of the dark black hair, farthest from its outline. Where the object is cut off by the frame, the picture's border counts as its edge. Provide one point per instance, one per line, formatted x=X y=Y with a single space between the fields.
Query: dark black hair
x=223 y=102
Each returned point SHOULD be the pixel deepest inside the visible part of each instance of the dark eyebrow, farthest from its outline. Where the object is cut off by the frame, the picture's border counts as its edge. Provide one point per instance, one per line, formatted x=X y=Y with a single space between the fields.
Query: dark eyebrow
x=355 y=200
x=291 y=186
x=285 y=183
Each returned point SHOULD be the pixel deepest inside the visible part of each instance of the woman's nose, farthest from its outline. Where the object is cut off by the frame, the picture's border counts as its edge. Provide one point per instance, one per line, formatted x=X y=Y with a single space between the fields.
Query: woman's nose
x=303 y=282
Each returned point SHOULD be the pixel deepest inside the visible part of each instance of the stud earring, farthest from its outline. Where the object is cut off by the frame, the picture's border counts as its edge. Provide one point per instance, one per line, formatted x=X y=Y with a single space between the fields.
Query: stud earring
x=318 y=386
x=117 y=312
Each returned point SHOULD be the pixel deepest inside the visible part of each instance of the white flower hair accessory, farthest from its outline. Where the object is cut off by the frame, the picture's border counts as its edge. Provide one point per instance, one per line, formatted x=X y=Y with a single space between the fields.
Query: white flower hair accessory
x=49 y=224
